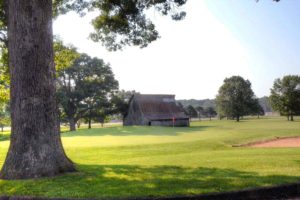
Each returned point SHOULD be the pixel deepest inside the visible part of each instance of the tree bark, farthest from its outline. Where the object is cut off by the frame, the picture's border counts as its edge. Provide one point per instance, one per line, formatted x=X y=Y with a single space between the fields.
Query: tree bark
x=35 y=148
x=237 y=118
x=72 y=123
x=292 y=117
x=90 y=123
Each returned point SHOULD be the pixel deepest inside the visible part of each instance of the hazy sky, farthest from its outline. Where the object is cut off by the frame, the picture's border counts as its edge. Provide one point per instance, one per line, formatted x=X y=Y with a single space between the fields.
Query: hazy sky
x=218 y=39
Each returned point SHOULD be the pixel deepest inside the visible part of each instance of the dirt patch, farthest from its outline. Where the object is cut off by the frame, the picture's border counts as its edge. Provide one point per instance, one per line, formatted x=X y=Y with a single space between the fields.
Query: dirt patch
x=276 y=142
x=283 y=142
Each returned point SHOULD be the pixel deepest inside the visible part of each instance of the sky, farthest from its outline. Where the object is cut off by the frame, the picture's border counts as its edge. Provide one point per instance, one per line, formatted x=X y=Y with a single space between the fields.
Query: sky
x=259 y=41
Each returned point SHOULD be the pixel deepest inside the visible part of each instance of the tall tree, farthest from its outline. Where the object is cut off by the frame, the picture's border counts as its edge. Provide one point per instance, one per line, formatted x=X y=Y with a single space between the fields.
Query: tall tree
x=285 y=96
x=235 y=97
x=35 y=148
x=84 y=88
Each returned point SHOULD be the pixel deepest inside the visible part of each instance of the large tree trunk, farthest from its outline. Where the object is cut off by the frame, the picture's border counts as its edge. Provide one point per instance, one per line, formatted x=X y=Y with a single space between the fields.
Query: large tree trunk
x=35 y=149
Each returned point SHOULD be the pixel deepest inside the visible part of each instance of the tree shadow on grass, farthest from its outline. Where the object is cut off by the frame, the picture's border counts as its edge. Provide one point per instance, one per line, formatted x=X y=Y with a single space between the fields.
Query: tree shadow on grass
x=136 y=131
x=130 y=131
x=123 y=181
x=4 y=137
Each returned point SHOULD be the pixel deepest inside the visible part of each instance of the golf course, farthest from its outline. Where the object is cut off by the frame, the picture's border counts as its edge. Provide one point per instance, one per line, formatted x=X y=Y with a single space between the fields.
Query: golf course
x=129 y=162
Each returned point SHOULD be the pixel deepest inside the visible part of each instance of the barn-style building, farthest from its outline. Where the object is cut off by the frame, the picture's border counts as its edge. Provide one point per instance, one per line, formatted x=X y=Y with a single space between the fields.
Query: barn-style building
x=155 y=110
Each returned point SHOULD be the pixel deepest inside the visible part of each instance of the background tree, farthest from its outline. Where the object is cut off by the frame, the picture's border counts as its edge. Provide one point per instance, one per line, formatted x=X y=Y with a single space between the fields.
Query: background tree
x=64 y=55
x=98 y=109
x=121 y=100
x=84 y=88
x=191 y=111
x=264 y=102
x=4 y=116
x=4 y=81
x=210 y=112
x=285 y=96
x=200 y=111
x=256 y=109
x=235 y=97
x=100 y=115
x=4 y=77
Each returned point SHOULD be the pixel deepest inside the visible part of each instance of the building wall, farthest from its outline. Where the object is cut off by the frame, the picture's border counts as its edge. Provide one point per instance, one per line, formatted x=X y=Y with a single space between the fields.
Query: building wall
x=134 y=116
x=178 y=122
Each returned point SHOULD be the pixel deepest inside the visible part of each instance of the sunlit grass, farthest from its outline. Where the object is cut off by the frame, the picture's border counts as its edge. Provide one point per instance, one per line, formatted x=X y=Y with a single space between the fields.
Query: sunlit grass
x=115 y=162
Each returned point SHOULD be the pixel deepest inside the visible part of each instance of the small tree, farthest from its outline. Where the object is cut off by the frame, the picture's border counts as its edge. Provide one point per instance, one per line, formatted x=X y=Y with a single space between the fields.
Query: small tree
x=191 y=111
x=285 y=96
x=235 y=97
x=210 y=112
x=200 y=111
x=256 y=109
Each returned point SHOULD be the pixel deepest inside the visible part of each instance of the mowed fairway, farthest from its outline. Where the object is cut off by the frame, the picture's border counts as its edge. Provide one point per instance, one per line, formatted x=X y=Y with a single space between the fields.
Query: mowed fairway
x=120 y=162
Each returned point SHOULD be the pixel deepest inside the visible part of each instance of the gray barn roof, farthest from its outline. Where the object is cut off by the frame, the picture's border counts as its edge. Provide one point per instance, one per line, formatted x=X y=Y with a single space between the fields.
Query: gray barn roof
x=159 y=107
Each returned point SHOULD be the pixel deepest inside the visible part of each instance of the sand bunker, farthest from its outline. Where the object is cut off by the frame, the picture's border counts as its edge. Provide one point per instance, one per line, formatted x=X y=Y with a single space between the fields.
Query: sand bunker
x=281 y=142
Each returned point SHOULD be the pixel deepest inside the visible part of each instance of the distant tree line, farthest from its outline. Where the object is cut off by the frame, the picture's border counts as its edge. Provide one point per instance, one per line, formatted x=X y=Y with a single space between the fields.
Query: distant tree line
x=198 y=112
x=236 y=99
x=205 y=103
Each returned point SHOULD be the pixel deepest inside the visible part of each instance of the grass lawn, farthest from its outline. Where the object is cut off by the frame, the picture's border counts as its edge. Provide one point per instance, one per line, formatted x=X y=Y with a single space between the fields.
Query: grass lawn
x=117 y=162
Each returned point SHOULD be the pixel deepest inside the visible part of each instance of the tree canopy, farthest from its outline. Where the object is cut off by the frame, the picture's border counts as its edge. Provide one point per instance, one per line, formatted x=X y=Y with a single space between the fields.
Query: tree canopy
x=119 y=22
x=122 y=22
x=64 y=56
